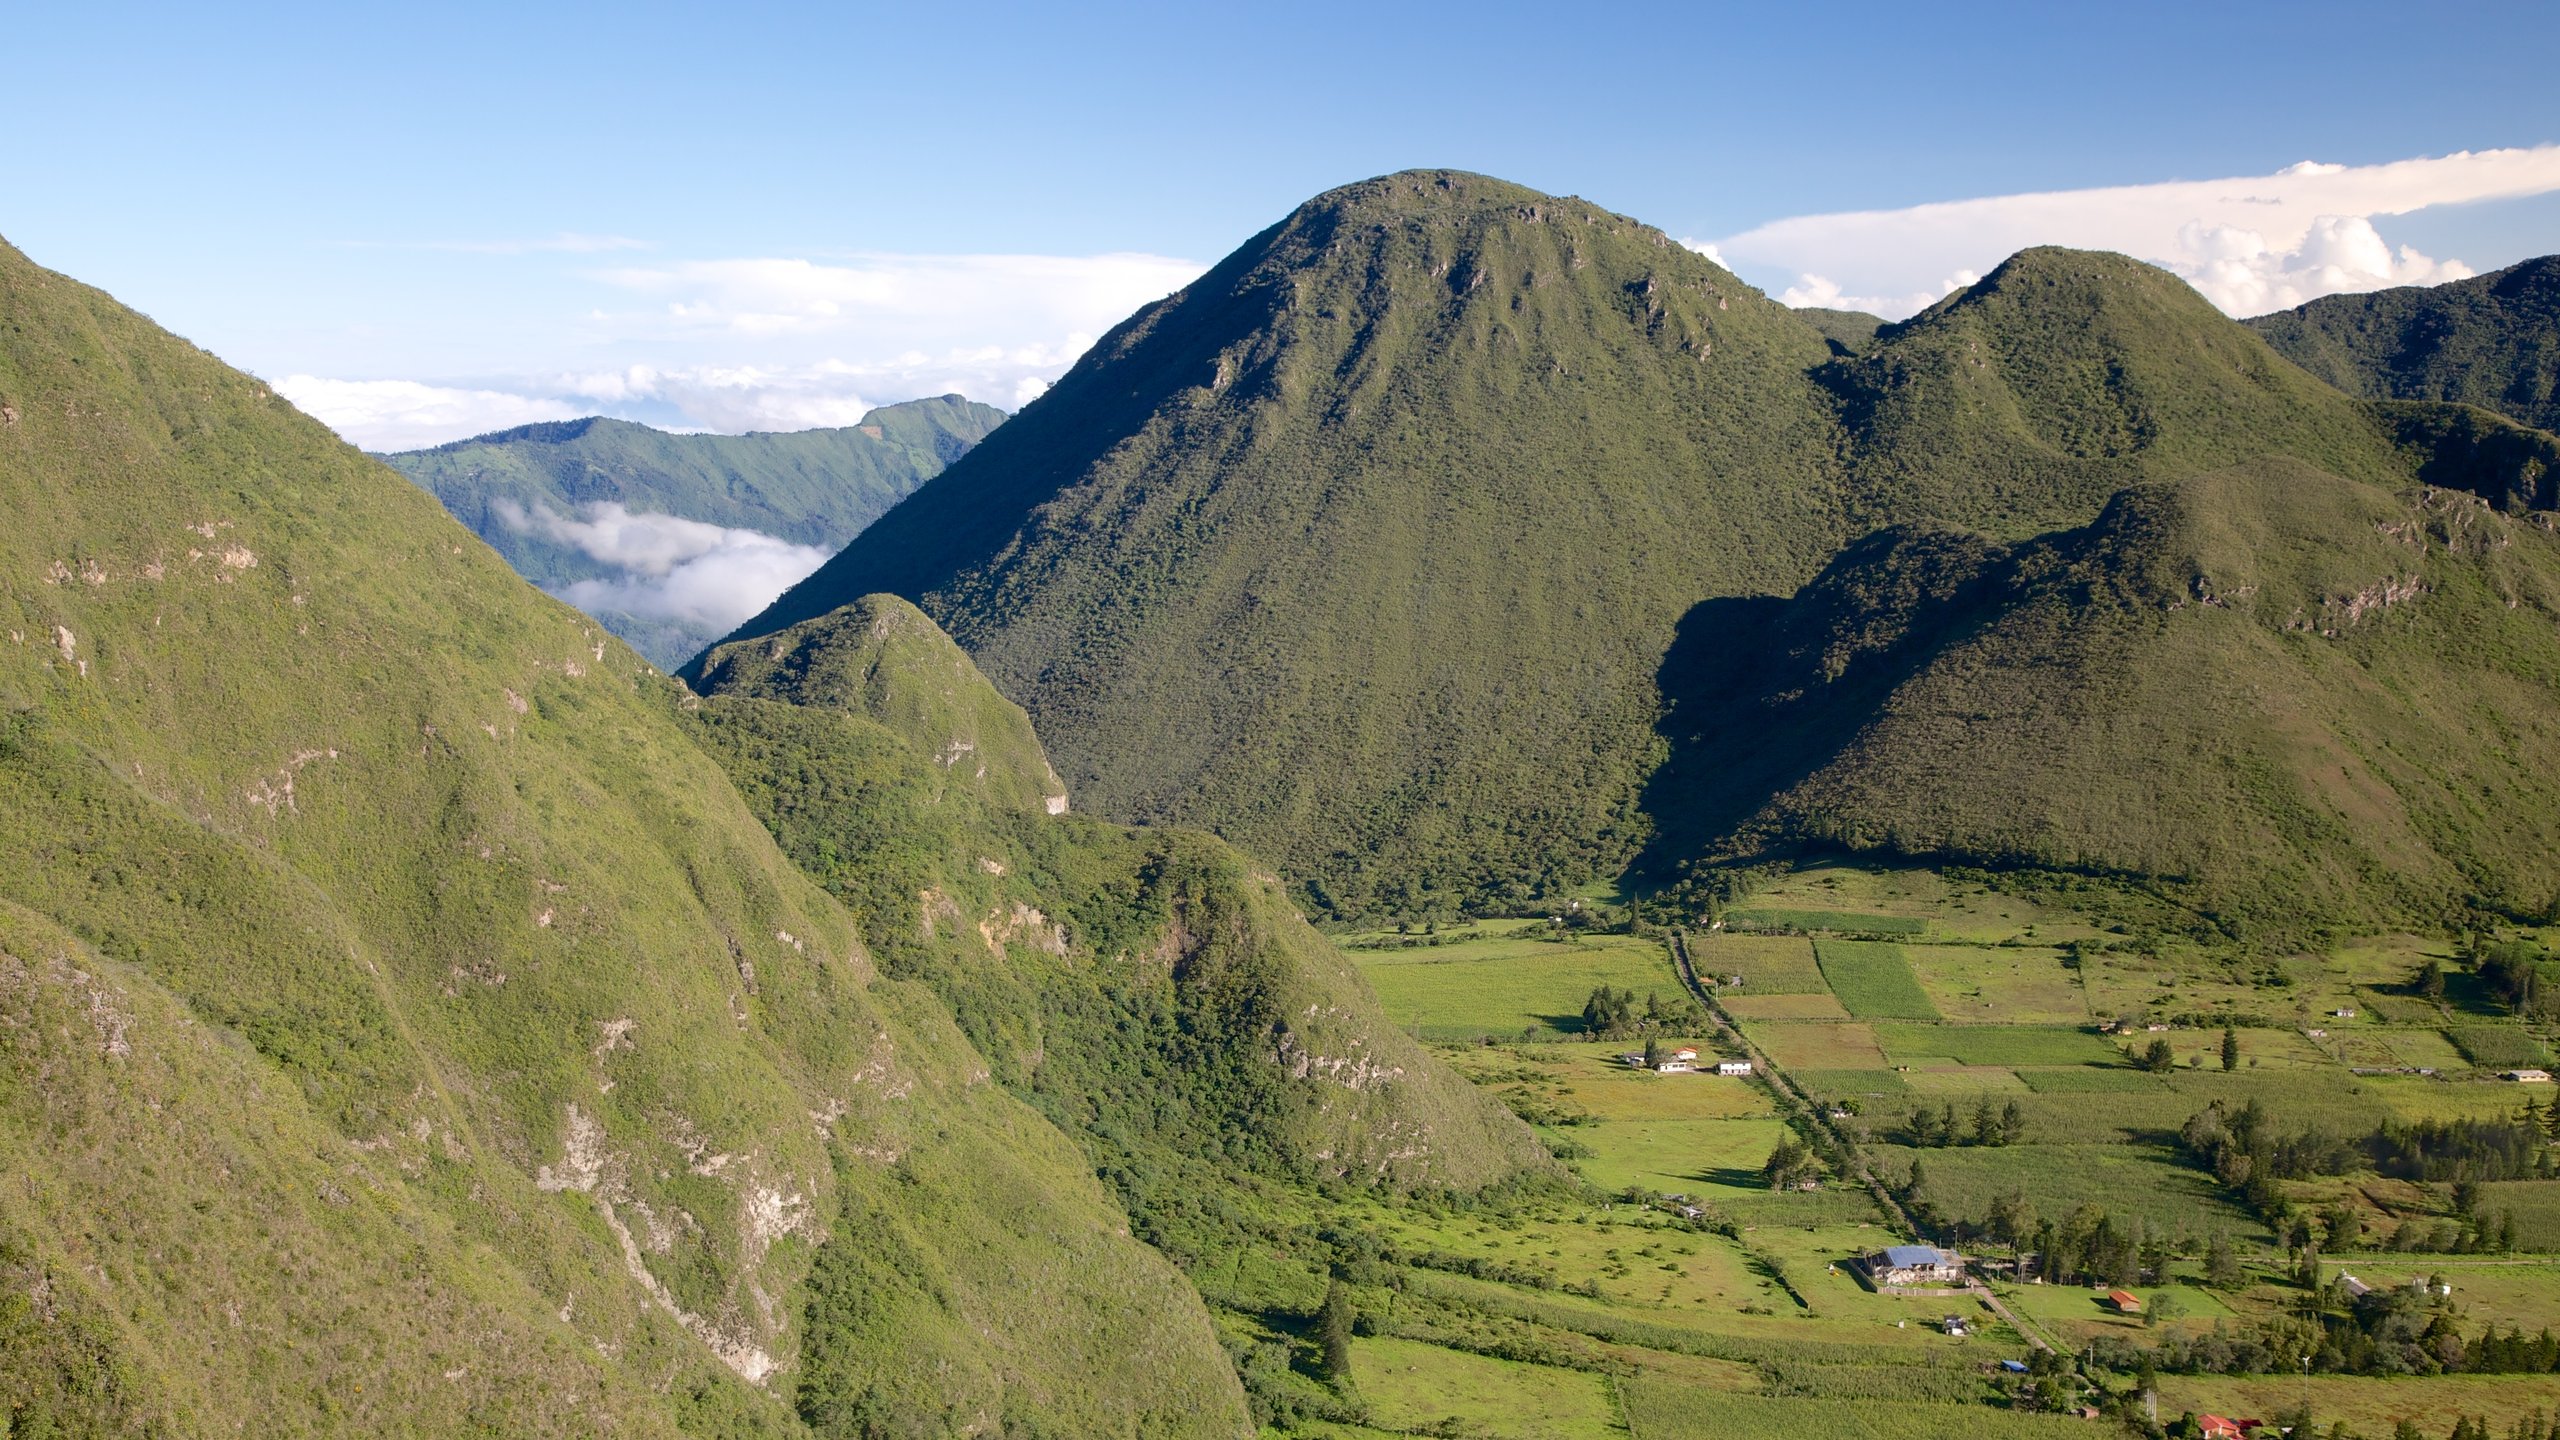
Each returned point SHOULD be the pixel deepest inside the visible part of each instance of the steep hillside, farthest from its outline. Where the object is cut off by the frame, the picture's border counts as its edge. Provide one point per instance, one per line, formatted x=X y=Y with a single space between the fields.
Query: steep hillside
x=1145 y=988
x=2491 y=341
x=405 y=1027
x=522 y=490
x=1363 y=549
x=1366 y=550
x=2278 y=697
x=883 y=658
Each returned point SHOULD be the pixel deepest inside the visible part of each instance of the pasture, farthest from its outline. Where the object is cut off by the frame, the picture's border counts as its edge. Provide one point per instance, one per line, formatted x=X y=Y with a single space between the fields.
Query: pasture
x=1766 y=964
x=1510 y=986
x=1414 y=1387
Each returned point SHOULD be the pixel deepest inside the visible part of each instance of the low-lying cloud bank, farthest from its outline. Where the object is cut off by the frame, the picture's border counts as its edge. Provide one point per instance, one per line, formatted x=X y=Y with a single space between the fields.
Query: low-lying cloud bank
x=703 y=577
x=2251 y=244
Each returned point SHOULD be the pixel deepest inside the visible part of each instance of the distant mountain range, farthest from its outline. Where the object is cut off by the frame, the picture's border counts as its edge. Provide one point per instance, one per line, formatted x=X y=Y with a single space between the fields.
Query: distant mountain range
x=575 y=507
x=1408 y=543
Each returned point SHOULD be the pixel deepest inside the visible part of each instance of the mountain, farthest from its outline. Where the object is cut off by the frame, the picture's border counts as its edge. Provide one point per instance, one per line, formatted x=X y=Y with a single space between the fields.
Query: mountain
x=534 y=493
x=2274 y=696
x=882 y=658
x=407 y=1026
x=2491 y=341
x=1362 y=550
x=1183 y=1017
x=1369 y=550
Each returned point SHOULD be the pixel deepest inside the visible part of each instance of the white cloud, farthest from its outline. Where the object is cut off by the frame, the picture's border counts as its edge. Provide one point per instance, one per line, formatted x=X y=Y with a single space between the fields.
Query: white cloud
x=781 y=344
x=2251 y=243
x=1823 y=293
x=1041 y=294
x=405 y=414
x=709 y=577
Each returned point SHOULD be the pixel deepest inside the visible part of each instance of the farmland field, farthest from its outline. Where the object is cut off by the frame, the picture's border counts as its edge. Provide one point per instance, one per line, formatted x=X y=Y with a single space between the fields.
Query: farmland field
x=1842 y=921
x=1873 y=980
x=1767 y=964
x=1785 y=1007
x=1815 y=1045
x=1509 y=986
x=1412 y=1386
x=1908 y=993
x=1995 y=1045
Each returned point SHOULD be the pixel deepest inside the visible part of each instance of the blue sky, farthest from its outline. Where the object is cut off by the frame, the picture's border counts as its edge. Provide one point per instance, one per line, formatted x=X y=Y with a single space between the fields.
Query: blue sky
x=431 y=220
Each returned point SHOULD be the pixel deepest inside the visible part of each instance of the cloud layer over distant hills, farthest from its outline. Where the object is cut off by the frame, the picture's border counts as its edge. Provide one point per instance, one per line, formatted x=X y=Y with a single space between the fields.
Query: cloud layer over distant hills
x=774 y=344
x=2251 y=244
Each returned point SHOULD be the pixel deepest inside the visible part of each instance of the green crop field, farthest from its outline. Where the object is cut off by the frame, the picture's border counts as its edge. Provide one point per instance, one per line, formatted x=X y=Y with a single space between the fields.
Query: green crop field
x=2497 y=1047
x=2121 y=1179
x=2536 y=1206
x=1873 y=980
x=1509 y=986
x=1995 y=1045
x=2090 y=1080
x=1670 y=1412
x=1842 y=922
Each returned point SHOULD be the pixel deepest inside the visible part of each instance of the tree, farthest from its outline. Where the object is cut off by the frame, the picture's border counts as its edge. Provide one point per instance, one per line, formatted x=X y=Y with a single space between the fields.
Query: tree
x=2159 y=1055
x=1986 y=1123
x=2429 y=981
x=1791 y=1165
x=2222 y=1264
x=1333 y=1332
x=2013 y=1123
x=2165 y=1305
x=2230 y=1048
x=1652 y=1053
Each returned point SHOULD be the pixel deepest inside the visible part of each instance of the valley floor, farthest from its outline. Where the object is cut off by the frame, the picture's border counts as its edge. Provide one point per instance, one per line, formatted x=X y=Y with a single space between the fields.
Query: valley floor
x=1678 y=1294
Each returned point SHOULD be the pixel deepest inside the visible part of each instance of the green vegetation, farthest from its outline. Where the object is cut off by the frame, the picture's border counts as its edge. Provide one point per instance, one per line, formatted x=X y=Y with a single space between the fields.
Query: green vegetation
x=881 y=657
x=1980 y=589
x=2491 y=341
x=1873 y=980
x=1364 y=549
x=807 y=487
x=409 y=1029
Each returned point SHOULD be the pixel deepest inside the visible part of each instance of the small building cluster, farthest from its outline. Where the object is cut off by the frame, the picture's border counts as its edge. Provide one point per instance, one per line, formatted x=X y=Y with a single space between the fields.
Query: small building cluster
x=1898 y=1267
x=1680 y=1060
x=2528 y=1077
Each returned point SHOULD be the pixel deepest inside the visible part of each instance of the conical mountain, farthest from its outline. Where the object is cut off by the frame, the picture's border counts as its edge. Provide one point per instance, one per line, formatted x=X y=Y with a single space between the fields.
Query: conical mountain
x=1367 y=549
x=405 y=1028
x=1362 y=550
x=2491 y=341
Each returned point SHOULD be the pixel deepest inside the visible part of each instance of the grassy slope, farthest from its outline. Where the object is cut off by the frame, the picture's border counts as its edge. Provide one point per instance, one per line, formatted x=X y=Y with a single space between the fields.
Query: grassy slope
x=2491 y=341
x=1173 y=1009
x=447 y=1006
x=810 y=487
x=883 y=658
x=2285 y=696
x=1363 y=549
x=1379 y=543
